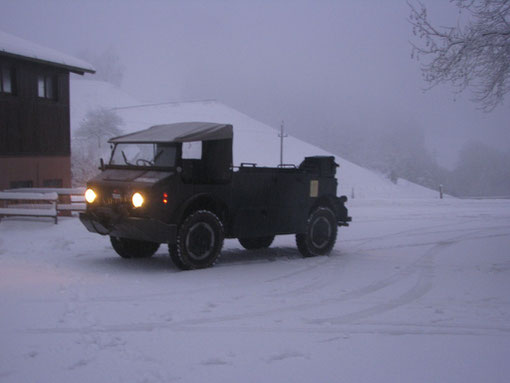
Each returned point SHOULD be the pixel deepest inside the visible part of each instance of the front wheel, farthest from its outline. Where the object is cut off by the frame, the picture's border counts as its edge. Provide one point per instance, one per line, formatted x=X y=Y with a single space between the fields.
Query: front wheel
x=174 y=256
x=199 y=241
x=256 y=243
x=132 y=248
x=320 y=235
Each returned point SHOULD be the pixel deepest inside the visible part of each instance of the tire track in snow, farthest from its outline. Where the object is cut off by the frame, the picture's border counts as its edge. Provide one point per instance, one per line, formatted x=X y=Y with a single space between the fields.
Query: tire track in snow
x=232 y=317
x=414 y=232
x=380 y=328
x=421 y=287
x=336 y=252
x=387 y=281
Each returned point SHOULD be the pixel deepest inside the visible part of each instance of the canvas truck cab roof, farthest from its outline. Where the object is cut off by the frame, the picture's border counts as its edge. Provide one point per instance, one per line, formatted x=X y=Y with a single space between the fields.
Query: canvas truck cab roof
x=179 y=132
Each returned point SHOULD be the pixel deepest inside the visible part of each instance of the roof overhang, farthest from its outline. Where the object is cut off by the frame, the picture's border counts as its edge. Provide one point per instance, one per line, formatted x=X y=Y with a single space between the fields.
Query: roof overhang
x=17 y=48
x=70 y=68
x=179 y=132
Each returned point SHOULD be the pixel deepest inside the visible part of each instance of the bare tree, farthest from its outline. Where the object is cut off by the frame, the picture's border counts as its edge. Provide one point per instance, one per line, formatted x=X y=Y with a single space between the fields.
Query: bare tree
x=89 y=142
x=475 y=53
x=107 y=64
x=99 y=125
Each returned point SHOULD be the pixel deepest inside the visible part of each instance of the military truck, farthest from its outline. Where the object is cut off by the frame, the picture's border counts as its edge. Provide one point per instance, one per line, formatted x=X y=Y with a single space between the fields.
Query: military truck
x=176 y=184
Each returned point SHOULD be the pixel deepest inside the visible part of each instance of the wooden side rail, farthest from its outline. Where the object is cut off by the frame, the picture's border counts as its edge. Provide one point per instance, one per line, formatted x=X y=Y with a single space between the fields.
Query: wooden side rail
x=76 y=202
x=69 y=199
x=29 y=204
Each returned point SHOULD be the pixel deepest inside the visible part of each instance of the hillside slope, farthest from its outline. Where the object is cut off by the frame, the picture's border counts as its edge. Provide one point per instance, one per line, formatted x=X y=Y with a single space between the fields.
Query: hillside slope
x=90 y=94
x=253 y=140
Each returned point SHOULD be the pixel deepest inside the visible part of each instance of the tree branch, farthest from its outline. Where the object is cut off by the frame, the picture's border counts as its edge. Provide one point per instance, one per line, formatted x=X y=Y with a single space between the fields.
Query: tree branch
x=476 y=54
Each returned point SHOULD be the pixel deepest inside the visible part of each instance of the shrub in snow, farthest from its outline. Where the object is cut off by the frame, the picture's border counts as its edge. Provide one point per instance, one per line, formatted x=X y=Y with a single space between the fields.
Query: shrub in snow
x=90 y=142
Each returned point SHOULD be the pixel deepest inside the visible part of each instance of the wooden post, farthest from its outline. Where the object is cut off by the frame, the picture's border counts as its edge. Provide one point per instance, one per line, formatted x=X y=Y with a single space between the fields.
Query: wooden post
x=440 y=191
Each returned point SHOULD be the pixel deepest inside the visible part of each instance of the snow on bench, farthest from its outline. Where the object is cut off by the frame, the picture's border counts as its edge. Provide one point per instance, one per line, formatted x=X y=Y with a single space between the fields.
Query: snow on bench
x=41 y=204
x=71 y=206
x=69 y=199
x=59 y=191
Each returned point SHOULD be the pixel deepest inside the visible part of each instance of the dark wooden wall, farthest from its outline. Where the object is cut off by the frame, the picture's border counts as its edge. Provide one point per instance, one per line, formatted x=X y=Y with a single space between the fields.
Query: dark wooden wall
x=31 y=125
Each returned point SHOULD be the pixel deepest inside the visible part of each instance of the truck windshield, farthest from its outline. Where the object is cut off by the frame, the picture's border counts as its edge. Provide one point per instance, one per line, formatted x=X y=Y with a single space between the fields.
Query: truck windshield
x=163 y=155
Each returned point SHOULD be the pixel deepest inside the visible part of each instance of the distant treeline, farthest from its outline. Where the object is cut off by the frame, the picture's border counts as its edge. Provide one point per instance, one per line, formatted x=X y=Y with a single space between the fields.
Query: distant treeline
x=401 y=153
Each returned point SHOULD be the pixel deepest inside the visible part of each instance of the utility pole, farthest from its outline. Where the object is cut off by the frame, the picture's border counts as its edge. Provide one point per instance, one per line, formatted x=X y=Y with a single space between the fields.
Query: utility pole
x=282 y=135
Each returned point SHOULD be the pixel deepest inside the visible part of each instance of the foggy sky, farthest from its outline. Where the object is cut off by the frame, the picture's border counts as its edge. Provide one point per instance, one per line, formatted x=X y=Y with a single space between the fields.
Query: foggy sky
x=320 y=66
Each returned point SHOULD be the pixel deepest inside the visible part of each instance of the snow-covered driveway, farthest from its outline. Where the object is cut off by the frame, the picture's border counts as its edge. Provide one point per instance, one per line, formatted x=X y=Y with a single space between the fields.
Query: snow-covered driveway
x=415 y=291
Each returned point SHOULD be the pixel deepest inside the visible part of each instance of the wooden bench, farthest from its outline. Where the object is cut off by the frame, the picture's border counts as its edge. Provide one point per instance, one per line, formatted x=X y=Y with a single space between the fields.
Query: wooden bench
x=69 y=199
x=77 y=203
x=29 y=204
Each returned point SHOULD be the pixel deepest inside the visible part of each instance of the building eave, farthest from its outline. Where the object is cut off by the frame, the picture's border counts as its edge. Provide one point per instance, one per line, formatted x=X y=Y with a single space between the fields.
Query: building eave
x=70 y=68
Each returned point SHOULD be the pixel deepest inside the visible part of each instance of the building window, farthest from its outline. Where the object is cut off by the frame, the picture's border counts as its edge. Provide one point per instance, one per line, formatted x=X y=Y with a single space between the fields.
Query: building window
x=46 y=87
x=6 y=80
x=54 y=183
x=21 y=184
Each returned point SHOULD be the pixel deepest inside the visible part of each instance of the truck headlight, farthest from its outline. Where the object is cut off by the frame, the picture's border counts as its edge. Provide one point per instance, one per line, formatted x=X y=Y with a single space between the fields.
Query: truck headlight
x=137 y=200
x=90 y=195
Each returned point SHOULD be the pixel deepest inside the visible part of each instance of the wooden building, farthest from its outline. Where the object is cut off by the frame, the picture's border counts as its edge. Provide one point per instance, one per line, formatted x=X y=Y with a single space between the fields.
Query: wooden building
x=35 y=147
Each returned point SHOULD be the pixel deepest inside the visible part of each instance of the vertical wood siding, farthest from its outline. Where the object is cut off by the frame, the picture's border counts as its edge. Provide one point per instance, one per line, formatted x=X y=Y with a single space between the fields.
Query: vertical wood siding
x=30 y=125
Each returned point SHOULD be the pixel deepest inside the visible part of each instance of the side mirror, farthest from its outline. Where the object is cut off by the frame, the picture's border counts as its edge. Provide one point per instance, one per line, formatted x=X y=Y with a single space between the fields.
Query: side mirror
x=101 y=164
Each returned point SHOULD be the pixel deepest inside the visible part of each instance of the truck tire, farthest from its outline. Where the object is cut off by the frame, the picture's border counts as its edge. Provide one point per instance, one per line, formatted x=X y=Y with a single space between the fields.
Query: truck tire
x=256 y=243
x=132 y=248
x=320 y=236
x=174 y=256
x=199 y=241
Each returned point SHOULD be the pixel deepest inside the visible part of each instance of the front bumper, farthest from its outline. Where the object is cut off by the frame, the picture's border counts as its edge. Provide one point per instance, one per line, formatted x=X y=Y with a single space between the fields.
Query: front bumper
x=144 y=229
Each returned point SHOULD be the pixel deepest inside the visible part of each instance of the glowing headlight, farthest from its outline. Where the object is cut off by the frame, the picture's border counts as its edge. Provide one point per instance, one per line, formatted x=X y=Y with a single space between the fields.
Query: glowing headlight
x=90 y=196
x=137 y=200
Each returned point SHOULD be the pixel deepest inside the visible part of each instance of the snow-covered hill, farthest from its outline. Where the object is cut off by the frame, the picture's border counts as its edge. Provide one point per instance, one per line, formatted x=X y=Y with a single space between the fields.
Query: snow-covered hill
x=89 y=94
x=254 y=141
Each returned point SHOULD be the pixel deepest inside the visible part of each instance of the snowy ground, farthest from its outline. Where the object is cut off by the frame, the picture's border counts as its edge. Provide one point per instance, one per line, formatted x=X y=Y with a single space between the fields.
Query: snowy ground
x=415 y=291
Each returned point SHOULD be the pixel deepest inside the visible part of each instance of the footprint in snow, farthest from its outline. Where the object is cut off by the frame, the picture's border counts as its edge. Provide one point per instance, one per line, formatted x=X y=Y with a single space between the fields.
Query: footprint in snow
x=210 y=306
x=286 y=355
x=78 y=364
x=215 y=362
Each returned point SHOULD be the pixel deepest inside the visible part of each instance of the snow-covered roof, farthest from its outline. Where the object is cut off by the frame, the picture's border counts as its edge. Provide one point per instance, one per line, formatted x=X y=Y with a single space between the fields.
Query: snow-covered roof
x=179 y=132
x=17 y=47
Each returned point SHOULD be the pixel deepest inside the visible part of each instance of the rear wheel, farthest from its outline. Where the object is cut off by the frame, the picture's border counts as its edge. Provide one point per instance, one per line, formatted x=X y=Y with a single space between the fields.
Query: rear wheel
x=199 y=241
x=256 y=243
x=320 y=235
x=132 y=248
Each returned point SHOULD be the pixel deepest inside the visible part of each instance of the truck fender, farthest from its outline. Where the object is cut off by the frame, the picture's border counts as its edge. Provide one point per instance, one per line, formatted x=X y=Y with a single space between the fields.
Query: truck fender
x=202 y=201
x=326 y=201
x=336 y=204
